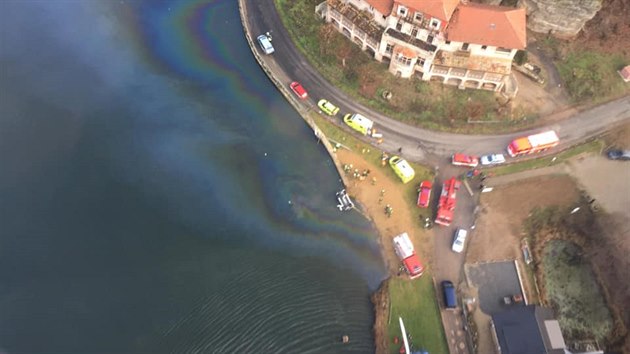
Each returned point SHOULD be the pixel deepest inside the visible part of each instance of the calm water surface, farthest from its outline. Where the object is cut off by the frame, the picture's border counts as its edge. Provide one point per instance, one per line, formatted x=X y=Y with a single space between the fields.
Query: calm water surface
x=158 y=195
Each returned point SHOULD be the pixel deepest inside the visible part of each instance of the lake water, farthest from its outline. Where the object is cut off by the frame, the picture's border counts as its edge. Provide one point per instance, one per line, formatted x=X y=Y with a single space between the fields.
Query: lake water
x=157 y=194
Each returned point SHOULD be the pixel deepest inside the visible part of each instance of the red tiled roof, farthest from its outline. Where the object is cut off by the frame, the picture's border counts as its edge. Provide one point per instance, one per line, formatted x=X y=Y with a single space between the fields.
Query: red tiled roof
x=490 y=25
x=442 y=9
x=382 y=6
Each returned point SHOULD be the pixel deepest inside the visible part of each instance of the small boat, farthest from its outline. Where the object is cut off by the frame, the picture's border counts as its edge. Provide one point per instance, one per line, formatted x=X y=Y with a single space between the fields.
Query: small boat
x=345 y=203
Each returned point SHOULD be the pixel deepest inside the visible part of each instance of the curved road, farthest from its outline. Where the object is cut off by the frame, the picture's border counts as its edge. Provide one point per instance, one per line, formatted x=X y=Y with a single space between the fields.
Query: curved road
x=416 y=143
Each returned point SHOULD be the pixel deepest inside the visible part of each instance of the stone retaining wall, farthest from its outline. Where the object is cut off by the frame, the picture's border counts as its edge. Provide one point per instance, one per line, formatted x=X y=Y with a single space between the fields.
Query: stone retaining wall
x=302 y=111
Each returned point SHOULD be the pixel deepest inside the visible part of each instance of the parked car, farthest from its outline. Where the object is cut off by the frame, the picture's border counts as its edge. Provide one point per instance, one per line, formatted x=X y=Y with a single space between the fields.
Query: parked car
x=617 y=154
x=327 y=107
x=492 y=159
x=299 y=91
x=459 y=240
x=402 y=168
x=450 y=298
x=424 y=195
x=265 y=43
x=465 y=160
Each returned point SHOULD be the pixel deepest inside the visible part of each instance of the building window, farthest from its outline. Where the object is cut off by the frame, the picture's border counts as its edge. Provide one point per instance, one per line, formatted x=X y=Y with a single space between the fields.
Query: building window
x=448 y=42
x=465 y=46
x=504 y=50
x=404 y=61
x=418 y=16
x=430 y=39
x=435 y=23
x=389 y=48
x=402 y=11
x=420 y=61
x=399 y=26
x=484 y=47
x=414 y=32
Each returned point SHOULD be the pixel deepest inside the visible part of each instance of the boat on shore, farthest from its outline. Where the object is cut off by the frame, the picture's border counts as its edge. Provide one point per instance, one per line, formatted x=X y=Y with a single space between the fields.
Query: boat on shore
x=344 y=201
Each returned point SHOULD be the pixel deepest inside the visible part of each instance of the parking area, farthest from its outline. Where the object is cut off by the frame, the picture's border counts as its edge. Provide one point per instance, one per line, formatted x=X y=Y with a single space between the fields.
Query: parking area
x=493 y=281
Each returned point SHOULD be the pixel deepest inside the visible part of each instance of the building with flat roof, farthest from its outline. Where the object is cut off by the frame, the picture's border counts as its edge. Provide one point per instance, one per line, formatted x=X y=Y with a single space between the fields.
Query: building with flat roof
x=527 y=329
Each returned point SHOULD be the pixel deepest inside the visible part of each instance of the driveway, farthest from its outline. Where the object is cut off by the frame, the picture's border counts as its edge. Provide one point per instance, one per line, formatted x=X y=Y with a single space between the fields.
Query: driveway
x=494 y=280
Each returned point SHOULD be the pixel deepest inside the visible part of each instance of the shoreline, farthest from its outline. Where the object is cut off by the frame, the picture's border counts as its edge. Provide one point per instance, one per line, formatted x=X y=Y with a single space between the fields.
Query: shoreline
x=379 y=298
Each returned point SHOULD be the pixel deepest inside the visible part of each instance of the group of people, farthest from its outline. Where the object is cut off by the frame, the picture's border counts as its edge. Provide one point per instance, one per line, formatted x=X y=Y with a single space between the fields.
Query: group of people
x=360 y=175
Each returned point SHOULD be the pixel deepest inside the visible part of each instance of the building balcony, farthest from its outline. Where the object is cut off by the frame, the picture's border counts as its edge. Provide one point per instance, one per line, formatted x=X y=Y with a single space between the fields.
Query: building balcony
x=350 y=16
x=465 y=60
x=429 y=49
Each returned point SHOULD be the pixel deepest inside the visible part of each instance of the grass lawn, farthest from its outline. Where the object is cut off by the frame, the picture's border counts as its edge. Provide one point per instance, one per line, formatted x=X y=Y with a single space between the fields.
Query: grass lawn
x=592 y=77
x=415 y=301
x=594 y=146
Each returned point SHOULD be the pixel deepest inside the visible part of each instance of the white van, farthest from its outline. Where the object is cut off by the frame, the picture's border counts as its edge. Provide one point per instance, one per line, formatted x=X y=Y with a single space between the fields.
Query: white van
x=265 y=44
x=359 y=123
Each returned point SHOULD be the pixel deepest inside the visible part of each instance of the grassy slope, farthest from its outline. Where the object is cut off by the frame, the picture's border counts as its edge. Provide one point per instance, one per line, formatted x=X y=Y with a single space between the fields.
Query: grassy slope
x=415 y=302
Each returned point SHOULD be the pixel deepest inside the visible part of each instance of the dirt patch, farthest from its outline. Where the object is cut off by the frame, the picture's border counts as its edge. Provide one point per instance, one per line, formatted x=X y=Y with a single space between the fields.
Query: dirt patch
x=373 y=201
x=380 y=300
x=620 y=138
x=609 y=255
x=502 y=212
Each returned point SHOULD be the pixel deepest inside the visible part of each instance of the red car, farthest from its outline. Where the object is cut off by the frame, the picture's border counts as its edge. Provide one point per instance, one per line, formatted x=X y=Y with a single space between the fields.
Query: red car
x=424 y=195
x=297 y=88
x=465 y=160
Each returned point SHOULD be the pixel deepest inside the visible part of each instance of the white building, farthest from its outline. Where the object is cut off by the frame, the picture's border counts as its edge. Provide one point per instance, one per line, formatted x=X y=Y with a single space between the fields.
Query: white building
x=463 y=44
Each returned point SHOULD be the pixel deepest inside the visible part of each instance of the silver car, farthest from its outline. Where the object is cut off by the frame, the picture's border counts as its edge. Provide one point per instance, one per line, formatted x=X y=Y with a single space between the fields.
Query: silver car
x=493 y=159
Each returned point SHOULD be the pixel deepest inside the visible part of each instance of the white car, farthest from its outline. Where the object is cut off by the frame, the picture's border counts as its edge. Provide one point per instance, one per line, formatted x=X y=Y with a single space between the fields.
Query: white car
x=493 y=159
x=459 y=240
x=265 y=43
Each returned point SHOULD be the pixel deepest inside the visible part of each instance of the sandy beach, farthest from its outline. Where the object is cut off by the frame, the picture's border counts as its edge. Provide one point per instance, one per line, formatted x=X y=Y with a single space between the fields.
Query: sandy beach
x=372 y=200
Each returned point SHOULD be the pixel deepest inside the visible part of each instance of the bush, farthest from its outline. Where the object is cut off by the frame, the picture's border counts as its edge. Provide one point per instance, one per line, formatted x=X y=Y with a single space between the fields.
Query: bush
x=590 y=75
x=521 y=57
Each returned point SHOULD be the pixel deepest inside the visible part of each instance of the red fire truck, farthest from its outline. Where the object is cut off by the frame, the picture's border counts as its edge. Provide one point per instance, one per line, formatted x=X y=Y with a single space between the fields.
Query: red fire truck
x=448 y=200
x=406 y=253
x=533 y=143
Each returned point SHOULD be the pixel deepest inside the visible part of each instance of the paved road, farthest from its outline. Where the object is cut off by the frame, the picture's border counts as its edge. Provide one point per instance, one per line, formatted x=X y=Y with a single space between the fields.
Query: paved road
x=416 y=142
x=287 y=64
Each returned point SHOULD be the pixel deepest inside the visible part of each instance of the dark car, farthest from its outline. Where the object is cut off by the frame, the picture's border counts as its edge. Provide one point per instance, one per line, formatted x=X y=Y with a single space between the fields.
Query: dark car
x=450 y=299
x=616 y=154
